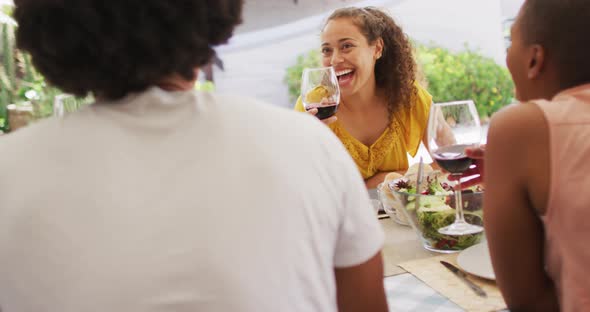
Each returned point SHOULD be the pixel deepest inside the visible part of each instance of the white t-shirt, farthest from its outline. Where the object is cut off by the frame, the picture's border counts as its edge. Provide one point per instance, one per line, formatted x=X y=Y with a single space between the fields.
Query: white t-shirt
x=179 y=201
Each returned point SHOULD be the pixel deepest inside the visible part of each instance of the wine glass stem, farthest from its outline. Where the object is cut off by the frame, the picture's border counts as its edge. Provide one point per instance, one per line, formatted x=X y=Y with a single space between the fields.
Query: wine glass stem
x=459 y=217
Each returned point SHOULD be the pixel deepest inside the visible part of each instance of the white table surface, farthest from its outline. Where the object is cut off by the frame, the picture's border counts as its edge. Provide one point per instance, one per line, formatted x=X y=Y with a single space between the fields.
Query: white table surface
x=401 y=245
x=404 y=291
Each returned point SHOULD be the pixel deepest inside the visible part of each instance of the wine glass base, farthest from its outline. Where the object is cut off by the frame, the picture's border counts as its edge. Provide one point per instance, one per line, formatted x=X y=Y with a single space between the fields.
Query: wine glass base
x=460 y=228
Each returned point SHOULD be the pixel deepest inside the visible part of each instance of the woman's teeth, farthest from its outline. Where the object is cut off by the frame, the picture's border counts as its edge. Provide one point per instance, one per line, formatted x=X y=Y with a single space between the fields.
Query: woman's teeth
x=343 y=72
x=344 y=75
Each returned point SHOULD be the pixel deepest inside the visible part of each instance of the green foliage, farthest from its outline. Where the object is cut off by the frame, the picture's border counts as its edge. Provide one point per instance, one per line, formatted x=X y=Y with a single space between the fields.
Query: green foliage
x=20 y=82
x=8 y=81
x=207 y=86
x=293 y=76
x=465 y=75
x=450 y=77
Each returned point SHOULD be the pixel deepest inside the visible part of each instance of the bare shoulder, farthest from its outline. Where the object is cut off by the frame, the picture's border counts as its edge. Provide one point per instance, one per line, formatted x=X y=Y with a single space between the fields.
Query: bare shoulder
x=518 y=151
x=519 y=124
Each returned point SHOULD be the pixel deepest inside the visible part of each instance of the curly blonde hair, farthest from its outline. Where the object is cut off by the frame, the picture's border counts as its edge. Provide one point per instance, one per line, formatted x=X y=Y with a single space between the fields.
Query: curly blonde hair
x=395 y=71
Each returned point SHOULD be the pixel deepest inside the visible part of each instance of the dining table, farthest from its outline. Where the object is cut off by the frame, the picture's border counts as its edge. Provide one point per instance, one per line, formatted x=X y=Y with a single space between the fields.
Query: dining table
x=414 y=280
x=405 y=292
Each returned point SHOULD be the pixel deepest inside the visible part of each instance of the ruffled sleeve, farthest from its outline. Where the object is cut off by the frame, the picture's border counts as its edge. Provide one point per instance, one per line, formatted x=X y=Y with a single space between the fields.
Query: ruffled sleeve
x=299 y=105
x=417 y=121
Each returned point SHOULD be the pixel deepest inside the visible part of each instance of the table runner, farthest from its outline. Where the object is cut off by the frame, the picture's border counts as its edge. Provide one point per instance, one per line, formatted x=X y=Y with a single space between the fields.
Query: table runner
x=435 y=275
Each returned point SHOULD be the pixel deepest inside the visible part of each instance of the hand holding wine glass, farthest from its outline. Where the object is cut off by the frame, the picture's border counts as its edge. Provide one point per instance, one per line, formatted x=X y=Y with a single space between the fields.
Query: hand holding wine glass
x=326 y=121
x=475 y=174
x=453 y=127
x=320 y=92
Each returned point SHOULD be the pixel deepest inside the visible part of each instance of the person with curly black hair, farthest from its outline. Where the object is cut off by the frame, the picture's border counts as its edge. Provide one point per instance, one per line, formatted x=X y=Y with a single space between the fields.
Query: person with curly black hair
x=383 y=111
x=160 y=198
x=101 y=51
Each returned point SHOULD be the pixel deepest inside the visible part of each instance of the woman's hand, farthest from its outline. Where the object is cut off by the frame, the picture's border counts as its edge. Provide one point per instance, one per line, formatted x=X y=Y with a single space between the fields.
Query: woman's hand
x=379 y=177
x=373 y=181
x=475 y=172
x=326 y=121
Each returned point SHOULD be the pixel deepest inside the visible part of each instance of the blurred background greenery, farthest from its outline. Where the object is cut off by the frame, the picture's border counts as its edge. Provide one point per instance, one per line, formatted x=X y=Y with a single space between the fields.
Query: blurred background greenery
x=448 y=76
x=21 y=86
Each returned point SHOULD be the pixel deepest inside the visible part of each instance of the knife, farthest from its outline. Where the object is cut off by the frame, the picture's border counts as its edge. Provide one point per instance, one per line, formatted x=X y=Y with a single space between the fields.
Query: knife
x=462 y=276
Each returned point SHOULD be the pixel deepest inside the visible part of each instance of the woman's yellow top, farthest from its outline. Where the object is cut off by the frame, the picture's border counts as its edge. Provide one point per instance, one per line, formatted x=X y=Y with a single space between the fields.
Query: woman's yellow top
x=390 y=151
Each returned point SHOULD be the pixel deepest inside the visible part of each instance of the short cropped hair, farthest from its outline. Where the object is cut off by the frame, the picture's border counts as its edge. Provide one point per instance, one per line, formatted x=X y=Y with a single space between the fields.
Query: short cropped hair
x=112 y=48
x=561 y=27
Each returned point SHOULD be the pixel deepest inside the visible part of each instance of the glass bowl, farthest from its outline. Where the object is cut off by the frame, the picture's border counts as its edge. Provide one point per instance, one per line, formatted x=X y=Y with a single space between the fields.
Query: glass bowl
x=435 y=212
x=390 y=205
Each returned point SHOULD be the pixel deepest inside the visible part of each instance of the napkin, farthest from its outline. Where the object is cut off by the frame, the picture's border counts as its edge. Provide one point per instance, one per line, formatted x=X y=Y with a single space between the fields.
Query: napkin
x=435 y=275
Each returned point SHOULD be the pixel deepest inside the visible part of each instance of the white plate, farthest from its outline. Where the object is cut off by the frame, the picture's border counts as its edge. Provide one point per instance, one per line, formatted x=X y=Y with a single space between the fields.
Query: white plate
x=476 y=260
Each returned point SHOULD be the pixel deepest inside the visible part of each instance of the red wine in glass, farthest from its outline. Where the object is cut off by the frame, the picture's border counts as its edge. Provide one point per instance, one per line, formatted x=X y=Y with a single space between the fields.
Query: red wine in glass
x=319 y=89
x=324 y=111
x=453 y=158
x=452 y=127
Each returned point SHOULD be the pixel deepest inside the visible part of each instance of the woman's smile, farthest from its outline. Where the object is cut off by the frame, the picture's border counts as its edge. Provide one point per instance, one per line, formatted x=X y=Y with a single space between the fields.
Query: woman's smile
x=345 y=77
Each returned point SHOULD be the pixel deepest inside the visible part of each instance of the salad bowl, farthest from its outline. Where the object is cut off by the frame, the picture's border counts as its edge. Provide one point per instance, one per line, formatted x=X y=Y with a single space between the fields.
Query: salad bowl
x=434 y=208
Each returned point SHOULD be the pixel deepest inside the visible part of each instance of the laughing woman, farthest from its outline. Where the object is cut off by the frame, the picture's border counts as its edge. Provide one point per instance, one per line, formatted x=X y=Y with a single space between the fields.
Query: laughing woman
x=383 y=112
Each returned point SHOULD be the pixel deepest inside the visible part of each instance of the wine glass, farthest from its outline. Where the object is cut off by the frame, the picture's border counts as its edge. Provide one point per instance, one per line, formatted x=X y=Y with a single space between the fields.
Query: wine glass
x=319 y=89
x=452 y=127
